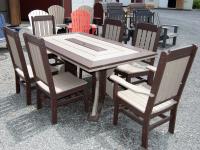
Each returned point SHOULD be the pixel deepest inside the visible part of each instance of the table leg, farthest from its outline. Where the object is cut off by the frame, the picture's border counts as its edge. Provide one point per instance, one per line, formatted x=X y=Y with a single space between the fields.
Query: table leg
x=99 y=94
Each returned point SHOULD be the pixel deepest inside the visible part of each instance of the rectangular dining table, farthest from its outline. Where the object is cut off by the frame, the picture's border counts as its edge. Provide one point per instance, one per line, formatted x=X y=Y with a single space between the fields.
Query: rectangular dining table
x=95 y=55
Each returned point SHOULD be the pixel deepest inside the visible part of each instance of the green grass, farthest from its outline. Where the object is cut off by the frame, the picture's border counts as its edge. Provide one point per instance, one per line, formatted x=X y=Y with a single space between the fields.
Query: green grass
x=196 y=4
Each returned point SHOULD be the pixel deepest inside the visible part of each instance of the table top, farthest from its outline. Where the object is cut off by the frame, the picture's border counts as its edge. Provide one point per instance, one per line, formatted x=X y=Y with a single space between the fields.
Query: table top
x=93 y=53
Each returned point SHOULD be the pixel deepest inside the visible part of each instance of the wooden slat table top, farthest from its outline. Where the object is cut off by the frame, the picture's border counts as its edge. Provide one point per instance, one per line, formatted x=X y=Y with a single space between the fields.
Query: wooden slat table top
x=92 y=52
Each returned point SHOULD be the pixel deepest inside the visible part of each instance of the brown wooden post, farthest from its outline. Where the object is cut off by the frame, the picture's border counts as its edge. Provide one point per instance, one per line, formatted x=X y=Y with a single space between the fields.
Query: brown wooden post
x=67 y=4
x=179 y=4
x=14 y=10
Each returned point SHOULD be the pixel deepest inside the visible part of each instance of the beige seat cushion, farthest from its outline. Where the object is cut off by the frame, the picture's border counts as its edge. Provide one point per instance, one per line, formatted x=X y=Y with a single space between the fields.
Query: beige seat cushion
x=139 y=101
x=30 y=71
x=63 y=82
x=135 y=67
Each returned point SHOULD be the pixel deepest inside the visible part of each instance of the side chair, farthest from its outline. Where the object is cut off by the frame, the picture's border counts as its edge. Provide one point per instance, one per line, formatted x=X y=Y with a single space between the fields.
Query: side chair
x=144 y=105
x=23 y=71
x=63 y=85
x=146 y=37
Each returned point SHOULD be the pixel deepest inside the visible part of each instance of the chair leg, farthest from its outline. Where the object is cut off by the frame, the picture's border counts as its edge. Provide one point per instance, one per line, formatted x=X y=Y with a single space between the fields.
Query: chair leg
x=172 y=121
x=145 y=134
x=116 y=112
x=128 y=79
x=39 y=100
x=174 y=40
x=86 y=100
x=164 y=42
x=150 y=78
x=53 y=111
x=17 y=82
x=80 y=73
x=28 y=93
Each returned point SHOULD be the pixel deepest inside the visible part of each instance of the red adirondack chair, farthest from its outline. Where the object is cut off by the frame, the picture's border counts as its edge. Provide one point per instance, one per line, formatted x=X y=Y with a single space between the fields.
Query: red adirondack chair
x=81 y=22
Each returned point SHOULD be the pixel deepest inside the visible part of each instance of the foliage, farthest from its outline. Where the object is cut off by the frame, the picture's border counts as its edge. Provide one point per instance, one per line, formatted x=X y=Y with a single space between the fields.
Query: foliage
x=196 y=4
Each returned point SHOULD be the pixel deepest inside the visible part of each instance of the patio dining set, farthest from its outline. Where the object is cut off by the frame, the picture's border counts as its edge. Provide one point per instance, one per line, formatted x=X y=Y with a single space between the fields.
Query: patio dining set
x=140 y=89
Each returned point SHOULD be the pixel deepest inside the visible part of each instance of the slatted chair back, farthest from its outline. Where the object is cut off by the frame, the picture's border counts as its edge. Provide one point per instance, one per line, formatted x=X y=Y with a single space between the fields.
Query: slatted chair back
x=16 y=51
x=80 y=21
x=143 y=16
x=43 y=25
x=172 y=72
x=2 y=24
x=98 y=12
x=36 y=13
x=146 y=36
x=39 y=59
x=58 y=12
x=113 y=30
x=115 y=11
x=90 y=10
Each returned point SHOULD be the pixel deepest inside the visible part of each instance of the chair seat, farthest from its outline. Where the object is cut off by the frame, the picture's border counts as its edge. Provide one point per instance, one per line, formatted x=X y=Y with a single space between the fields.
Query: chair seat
x=30 y=71
x=171 y=35
x=139 y=101
x=63 y=82
x=133 y=68
x=92 y=26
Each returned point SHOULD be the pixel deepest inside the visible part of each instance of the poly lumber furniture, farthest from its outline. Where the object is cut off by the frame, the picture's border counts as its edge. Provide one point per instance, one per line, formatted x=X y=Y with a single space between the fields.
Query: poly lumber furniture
x=90 y=10
x=59 y=15
x=145 y=105
x=95 y=55
x=55 y=87
x=147 y=37
x=81 y=22
x=22 y=70
x=45 y=26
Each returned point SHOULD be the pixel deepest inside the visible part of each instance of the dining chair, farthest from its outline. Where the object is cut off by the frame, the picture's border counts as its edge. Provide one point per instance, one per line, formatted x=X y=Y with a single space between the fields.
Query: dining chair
x=149 y=107
x=63 y=85
x=98 y=14
x=45 y=26
x=59 y=15
x=146 y=37
x=22 y=70
x=35 y=13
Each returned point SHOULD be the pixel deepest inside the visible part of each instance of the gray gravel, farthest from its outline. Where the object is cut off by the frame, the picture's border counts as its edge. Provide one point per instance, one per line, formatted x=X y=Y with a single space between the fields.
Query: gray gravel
x=23 y=127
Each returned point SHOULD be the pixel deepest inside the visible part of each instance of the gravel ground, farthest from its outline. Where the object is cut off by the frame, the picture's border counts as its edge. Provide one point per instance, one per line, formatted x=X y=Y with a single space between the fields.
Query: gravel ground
x=23 y=127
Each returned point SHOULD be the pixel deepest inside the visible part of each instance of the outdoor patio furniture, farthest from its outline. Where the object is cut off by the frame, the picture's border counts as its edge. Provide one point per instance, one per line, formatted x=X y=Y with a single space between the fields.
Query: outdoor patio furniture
x=168 y=32
x=98 y=14
x=22 y=70
x=95 y=55
x=146 y=37
x=59 y=15
x=90 y=10
x=63 y=85
x=2 y=24
x=45 y=26
x=35 y=13
x=81 y=22
x=148 y=107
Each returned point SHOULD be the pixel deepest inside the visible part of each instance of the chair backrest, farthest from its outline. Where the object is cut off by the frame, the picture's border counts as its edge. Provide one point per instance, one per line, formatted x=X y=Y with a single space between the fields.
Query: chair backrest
x=113 y=30
x=58 y=12
x=2 y=24
x=38 y=58
x=36 y=13
x=16 y=51
x=115 y=11
x=143 y=16
x=146 y=36
x=90 y=10
x=171 y=75
x=80 y=21
x=98 y=12
x=43 y=25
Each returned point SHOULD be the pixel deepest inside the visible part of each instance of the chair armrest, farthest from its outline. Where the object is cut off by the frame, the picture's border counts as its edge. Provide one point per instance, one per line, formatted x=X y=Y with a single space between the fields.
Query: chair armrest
x=151 y=68
x=167 y=25
x=134 y=88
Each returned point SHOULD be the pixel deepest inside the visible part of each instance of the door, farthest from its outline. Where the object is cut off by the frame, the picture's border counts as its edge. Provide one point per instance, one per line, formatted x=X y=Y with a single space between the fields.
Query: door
x=29 y=5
